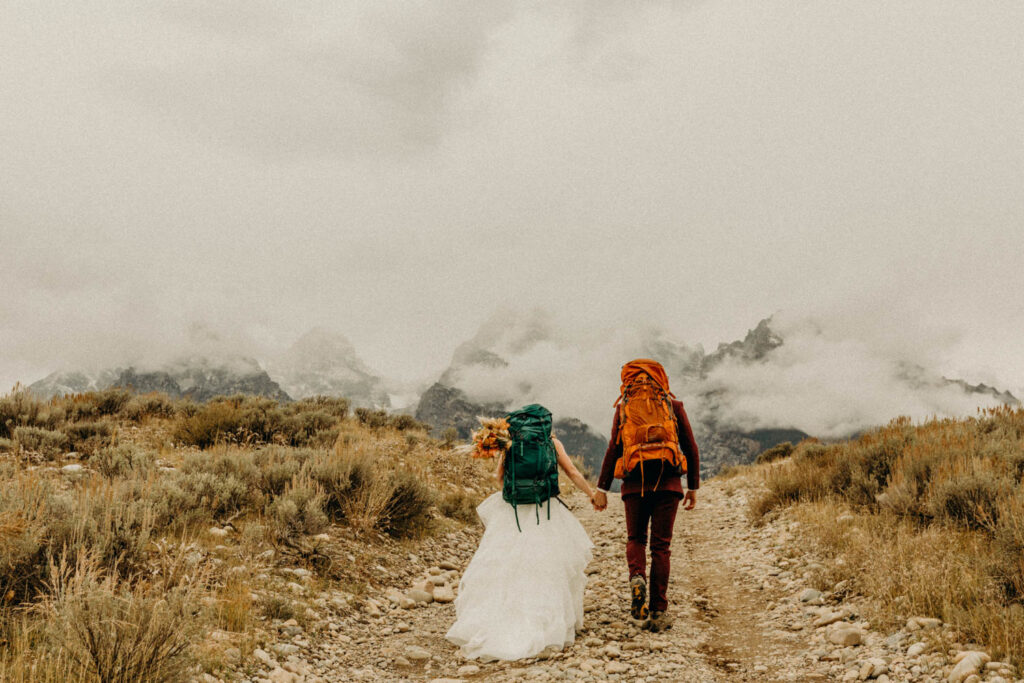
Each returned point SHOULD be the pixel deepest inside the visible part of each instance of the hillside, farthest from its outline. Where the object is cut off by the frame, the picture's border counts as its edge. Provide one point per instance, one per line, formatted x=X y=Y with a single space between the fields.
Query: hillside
x=150 y=538
x=245 y=539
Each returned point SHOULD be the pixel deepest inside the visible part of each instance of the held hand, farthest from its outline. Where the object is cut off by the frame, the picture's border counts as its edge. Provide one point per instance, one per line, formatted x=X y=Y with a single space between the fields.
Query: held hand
x=600 y=500
x=690 y=500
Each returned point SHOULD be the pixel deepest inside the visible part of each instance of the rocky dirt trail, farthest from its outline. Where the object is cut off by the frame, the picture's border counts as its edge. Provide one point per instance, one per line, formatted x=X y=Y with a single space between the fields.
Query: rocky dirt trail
x=740 y=596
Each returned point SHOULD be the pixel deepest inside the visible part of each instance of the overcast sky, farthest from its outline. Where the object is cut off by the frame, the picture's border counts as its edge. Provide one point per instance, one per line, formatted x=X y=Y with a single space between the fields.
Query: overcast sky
x=398 y=171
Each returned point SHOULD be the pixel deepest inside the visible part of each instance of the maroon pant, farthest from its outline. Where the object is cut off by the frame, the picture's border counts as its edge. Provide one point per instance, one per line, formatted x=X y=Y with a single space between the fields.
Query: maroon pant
x=658 y=510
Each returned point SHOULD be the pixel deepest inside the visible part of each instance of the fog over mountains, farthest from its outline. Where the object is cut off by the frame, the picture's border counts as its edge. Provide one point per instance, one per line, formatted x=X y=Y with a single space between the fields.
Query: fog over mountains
x=786 y=379
x=318 y=363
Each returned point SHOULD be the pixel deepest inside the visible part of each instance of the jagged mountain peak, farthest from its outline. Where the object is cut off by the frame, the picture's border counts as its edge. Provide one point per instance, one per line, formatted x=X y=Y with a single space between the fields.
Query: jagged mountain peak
x=758 y=343
x=325 y=362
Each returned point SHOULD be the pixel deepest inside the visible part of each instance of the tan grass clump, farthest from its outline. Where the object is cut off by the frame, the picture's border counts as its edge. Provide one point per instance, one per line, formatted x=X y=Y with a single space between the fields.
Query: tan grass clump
x=122 y=631
x=933 y=518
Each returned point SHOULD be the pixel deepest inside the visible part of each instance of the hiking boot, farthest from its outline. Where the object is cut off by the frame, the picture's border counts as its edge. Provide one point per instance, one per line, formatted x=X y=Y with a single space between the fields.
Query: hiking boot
x=659 y=621
x=638 y=592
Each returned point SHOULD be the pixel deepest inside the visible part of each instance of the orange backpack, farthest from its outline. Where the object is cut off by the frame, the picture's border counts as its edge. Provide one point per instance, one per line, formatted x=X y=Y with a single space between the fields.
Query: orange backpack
x=647 y=423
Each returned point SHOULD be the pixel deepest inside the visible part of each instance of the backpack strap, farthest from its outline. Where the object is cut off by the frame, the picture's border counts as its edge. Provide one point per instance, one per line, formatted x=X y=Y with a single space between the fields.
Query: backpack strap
x=515 y=511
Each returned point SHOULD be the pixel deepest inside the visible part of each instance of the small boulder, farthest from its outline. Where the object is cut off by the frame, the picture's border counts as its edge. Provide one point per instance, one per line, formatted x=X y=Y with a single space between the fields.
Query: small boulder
x=416 y=653
x=264 y=657
x=285 y=649
x=968 y=664
x=280 y=675
x=846 y=636
x=418 y=595
x=829 y=618
x=444 y=594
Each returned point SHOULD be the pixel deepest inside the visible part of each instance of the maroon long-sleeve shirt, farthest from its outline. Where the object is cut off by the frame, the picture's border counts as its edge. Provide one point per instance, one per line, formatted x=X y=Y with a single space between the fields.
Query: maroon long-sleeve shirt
x=654 y=474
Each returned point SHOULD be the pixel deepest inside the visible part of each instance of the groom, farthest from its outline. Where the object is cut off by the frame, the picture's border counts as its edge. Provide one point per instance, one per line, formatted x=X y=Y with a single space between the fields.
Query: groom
x=652 y=429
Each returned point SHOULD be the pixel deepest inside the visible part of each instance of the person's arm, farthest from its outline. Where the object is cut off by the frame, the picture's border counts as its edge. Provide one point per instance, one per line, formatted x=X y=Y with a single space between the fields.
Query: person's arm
x=499 y=474
x=611 y=456
x=570 y=470
x=688 y=445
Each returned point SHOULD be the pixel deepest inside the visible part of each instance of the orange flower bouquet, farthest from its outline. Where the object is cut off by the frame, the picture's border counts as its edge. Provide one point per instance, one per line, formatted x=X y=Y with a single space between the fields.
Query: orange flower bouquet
x=492 y=439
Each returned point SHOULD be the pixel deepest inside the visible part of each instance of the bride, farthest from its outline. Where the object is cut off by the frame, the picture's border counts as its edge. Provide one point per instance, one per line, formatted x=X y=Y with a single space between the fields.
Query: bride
x=523 y=590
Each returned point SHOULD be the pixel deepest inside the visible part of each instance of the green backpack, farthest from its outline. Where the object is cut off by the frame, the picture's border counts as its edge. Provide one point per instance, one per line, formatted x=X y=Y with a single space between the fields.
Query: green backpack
x=531 y=464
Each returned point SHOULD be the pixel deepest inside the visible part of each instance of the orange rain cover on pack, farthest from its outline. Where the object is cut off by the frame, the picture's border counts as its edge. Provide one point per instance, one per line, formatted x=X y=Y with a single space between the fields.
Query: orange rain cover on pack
x=647 y=422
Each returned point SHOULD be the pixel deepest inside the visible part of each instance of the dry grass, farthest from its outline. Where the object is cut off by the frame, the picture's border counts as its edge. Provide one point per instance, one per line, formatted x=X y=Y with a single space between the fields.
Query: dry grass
x=234 y=603
x=929 y=519
x=121 y=631
x=387 y=494
x=98 y=571
x=27 y=656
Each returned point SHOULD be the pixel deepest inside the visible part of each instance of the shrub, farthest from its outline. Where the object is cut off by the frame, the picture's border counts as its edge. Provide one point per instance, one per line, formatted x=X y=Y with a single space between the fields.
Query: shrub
x=459 y=505
x=248 y=419
x=93 y=404
x=175 y=505
x=110 y=401
x=88 y=437
x=122 y=461
x=28 y=507
x=406 y=422
x=408 y=505
x=216 y=422
x=113 y=521
x=142 y=406
x=777 y=452
x=44 y=441
x=276 y=607
x=336 y=477
x=185 y=407
x=298 y=510
x=21 y=408
x=302 y=428
x=972 y=500
x=374 y=419
x=217 y=494
x=121 y=632
x=449 y=436
x=276 y=466
x=335 y=406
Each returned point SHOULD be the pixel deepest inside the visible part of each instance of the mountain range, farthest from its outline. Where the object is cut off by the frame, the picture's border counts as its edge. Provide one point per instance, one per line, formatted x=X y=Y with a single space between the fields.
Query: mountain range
x=318 y=363
x=523 y=358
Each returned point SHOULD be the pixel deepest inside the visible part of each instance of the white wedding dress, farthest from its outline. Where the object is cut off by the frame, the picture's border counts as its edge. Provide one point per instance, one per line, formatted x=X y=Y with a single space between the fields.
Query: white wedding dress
x=523 y=590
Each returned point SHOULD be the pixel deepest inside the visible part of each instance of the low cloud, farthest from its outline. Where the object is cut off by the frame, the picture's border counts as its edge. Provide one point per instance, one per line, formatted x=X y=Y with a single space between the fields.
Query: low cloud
x=831 y=377
x=831 y=383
